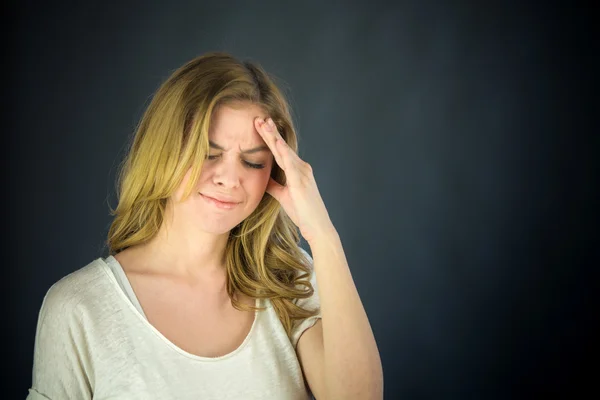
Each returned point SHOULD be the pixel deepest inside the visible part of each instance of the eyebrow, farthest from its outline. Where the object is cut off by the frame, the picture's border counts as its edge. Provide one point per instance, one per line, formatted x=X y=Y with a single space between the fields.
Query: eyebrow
x=249 y=151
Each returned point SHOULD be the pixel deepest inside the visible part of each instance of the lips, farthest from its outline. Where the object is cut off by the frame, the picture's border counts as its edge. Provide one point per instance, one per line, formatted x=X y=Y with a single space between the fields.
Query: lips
x=221 y=199
x=220 y=204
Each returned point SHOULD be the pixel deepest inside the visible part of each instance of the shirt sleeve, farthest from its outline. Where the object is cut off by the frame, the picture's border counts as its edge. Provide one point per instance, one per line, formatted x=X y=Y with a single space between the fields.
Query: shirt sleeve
x=310 y=303
x=60 y=361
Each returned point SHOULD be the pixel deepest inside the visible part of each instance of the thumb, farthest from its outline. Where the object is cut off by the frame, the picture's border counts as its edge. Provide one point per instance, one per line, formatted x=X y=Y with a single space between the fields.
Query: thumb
x=275 y=189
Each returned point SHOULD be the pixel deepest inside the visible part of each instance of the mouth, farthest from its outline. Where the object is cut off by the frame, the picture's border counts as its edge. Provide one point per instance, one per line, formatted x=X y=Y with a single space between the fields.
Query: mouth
x=225 y=205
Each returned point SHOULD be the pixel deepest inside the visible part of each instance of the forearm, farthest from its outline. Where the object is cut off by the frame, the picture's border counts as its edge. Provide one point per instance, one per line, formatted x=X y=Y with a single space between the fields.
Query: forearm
x=352 y=362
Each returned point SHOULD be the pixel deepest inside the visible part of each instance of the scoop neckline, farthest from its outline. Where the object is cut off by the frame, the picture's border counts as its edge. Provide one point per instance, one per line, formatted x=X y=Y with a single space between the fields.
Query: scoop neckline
x=106 y=268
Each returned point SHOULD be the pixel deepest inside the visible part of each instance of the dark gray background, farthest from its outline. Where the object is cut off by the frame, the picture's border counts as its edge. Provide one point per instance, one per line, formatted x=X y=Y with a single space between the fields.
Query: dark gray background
x=452 y=142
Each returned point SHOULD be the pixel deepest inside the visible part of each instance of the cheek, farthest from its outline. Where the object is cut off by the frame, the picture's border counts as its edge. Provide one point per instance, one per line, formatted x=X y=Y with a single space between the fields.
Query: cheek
x=263 y=181
x=258 y=184
x=179 y=192
x=205 y=174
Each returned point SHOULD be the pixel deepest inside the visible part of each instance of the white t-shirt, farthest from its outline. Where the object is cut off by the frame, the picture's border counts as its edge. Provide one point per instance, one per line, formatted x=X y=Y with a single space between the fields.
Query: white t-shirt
x=94 y=341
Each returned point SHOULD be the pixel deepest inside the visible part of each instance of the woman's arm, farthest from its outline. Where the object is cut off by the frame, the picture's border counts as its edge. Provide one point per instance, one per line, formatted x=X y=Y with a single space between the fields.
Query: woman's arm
x=339 y=354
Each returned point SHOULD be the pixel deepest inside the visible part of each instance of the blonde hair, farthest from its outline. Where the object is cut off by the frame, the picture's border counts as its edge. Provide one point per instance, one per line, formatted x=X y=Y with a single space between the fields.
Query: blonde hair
x=263 y=257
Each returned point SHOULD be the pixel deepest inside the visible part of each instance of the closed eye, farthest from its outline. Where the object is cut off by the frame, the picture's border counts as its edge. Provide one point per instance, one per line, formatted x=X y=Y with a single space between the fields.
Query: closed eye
x=246 y=163
x=255 y=166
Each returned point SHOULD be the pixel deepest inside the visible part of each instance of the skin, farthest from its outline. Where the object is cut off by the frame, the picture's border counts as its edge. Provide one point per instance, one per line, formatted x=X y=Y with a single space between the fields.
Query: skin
x=338 y=355
x=191 y=241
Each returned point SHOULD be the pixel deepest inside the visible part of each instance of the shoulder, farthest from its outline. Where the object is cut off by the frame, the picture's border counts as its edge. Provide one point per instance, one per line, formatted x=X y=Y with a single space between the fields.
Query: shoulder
x=78 y=290
x=69 y=331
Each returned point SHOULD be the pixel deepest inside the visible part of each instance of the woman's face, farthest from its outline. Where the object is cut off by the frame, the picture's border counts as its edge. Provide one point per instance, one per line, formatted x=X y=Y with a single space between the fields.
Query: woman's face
x=237 y=171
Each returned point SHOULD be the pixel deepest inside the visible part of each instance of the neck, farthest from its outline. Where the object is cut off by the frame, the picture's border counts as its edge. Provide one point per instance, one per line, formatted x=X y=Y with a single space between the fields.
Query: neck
x=180 y=249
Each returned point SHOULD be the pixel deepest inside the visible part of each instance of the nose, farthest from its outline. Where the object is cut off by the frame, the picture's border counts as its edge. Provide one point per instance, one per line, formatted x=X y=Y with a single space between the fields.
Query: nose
x=227 y=174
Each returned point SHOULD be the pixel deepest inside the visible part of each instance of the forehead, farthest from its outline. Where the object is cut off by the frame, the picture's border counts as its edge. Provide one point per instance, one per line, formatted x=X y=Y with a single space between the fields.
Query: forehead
x=232 y=125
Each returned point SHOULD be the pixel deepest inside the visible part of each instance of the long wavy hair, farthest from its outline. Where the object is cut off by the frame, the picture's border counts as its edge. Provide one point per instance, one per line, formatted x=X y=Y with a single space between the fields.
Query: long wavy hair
x=263 y=256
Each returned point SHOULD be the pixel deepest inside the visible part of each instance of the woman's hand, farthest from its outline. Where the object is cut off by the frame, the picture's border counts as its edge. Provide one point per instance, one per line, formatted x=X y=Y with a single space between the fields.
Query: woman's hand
x=300 y=197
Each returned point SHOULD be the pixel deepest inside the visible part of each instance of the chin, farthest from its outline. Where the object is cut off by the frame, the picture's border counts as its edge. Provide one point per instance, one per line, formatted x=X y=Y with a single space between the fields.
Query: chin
x=217 y=229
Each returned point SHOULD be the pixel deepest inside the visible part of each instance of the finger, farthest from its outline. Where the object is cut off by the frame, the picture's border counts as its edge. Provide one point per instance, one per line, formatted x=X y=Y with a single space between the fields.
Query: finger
x=275 y=189
x=269 y=139
x=266 y=132
x=287 y=155
x=285 y=150
x=287 y=159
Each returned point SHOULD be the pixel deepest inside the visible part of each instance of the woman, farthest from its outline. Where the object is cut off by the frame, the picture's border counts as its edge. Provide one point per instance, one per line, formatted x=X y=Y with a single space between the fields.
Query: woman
x=205 y=293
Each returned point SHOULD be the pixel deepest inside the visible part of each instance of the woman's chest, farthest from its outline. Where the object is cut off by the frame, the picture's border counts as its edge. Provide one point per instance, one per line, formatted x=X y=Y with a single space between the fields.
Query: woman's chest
x=131 y=360
x=200 y=324
x=201 y=333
